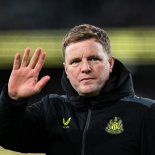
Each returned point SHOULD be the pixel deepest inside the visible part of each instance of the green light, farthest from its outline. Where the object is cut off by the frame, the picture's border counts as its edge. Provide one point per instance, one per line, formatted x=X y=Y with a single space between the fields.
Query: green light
x=131 y=45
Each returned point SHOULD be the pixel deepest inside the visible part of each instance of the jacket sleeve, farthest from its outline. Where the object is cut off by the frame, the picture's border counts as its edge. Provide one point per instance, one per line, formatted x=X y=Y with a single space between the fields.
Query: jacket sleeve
x=22 y=127
x=148 y=132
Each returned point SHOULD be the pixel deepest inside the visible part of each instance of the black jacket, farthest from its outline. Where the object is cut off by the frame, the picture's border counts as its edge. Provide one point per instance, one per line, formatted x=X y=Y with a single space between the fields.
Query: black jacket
x=114 y=122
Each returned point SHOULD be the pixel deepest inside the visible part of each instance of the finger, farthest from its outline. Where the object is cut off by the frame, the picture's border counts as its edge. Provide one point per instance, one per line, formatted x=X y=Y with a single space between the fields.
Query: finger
x=41 y=83
x=25 y=58
x=16 y=63
x=40 y=62
x=34 y=58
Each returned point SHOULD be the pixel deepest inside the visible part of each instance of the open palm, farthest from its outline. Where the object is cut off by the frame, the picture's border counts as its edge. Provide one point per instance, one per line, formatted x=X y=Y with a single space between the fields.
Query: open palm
x=23 y=80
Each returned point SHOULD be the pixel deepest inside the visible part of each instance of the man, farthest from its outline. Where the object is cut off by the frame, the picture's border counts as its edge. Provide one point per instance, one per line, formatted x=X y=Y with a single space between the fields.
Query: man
x=100 y=113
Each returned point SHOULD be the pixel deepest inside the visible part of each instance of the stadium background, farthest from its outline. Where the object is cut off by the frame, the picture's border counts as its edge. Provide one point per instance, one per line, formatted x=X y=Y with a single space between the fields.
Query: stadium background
x=38 y=23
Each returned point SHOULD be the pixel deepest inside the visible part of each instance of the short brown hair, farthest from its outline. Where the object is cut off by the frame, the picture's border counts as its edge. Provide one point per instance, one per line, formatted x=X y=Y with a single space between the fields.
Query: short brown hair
x=84 y=32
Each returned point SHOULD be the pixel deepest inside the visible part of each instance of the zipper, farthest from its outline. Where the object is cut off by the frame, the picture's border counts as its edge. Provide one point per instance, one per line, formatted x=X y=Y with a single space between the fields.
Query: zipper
x=85 y=132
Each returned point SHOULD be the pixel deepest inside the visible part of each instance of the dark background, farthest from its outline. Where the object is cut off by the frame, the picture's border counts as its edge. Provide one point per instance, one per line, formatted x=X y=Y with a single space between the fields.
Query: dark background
x=56 y=14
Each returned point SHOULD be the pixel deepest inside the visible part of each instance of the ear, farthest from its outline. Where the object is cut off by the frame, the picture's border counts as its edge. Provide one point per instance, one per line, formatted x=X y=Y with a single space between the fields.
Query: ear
x=111 y=62
x=65 y=67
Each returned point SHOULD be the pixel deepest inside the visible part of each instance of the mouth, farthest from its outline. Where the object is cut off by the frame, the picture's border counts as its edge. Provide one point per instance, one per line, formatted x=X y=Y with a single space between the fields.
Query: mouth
x=87 y=79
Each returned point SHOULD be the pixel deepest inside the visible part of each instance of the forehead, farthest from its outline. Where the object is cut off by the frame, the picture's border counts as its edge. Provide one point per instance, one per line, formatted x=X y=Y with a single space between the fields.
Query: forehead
x=85 y=47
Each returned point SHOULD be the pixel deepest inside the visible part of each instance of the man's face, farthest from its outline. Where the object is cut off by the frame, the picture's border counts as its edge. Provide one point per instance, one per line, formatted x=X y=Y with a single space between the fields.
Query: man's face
x=87 y=66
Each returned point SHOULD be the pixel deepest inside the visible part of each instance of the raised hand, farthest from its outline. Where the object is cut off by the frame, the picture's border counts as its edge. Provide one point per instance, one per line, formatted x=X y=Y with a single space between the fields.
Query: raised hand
x=23 y=81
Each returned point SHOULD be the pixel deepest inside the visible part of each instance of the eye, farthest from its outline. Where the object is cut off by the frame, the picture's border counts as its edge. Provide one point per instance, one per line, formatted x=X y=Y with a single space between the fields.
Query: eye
x=93 y=58
x=75 y=61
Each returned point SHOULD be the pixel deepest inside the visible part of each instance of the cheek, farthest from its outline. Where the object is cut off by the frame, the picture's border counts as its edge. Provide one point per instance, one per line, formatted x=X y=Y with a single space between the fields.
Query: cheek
x=72 y=75
x=103 y=71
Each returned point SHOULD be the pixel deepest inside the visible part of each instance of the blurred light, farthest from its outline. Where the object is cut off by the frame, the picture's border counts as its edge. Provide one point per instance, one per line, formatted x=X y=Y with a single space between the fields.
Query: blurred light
x=131 y=45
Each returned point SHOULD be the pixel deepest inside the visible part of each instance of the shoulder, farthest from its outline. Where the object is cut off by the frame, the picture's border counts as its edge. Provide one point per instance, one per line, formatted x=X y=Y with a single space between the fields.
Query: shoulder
x=140 y=107
x=49 y=103
x=146 y=102
x=54 y=104
x=54 y=100
x=56 y=97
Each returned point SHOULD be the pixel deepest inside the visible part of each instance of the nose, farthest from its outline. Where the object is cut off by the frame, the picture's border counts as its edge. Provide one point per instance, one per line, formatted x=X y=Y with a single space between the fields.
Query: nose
x=85 y=67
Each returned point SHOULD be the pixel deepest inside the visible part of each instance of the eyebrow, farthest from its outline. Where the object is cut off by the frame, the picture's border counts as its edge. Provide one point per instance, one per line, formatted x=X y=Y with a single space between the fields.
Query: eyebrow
x=93 y=56
x=89 y=57
x=74 y=59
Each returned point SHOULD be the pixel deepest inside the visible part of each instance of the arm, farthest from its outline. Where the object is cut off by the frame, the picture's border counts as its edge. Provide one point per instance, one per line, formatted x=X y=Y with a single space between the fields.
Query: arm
x=22 y=127
x=148 y=132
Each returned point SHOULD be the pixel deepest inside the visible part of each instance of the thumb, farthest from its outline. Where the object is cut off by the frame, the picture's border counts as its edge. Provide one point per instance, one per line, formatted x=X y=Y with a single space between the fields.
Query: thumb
x=41 y=83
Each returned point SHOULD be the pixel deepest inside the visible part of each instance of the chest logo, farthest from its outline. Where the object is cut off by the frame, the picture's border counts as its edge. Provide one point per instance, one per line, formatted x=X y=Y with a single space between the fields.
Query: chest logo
x=114 y=126
x=66 y=122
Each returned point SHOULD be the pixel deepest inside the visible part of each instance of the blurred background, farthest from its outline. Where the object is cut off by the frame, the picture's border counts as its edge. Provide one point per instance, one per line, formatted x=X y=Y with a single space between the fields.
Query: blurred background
x=43 y=23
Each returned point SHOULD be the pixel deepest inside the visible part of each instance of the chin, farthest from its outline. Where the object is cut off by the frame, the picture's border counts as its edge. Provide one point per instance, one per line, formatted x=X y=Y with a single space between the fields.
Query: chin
x=89 y=93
